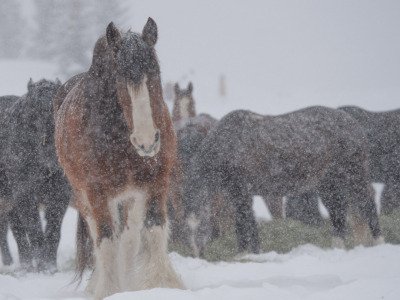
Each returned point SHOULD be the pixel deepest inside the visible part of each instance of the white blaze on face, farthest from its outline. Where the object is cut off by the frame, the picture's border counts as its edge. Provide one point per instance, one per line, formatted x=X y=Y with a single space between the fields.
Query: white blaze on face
x=144 y=135
x=184 y=107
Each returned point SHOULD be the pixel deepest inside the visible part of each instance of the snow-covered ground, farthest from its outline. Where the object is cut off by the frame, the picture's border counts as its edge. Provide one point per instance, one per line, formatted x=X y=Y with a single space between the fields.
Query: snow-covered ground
x=306 y=272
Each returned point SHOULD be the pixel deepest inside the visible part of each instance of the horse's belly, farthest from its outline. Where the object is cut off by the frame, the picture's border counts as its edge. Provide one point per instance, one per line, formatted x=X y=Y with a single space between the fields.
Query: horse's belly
x=295 y=175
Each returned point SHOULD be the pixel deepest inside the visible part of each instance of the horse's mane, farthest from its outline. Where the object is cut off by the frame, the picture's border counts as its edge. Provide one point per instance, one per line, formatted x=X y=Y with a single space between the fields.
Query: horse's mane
x=102 y=58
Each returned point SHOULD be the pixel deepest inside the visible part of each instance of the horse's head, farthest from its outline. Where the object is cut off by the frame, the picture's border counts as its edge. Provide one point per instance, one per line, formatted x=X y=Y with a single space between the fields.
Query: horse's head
x=138 y=77
x=184 y=102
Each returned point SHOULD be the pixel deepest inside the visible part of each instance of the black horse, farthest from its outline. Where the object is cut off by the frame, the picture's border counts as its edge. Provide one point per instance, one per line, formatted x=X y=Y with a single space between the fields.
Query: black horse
x=248 y=154
x=5 y=207
x=190 y=135
x=32 y=176
x=382 y=130
x=383 y=133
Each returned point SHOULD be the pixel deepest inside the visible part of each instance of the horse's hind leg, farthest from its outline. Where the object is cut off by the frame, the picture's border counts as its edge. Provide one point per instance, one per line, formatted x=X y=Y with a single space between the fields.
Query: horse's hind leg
x=5 y=250
x=246 y=226
x=336 y=204
x=28 y=212
x=55 y=210
x=361 y=195
x=275 y=206
x=19 y=232
x=390 y=199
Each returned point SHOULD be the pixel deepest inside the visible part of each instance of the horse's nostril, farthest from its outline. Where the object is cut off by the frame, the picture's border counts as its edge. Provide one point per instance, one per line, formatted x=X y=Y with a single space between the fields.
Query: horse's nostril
x=141 y=147
x=157 y=136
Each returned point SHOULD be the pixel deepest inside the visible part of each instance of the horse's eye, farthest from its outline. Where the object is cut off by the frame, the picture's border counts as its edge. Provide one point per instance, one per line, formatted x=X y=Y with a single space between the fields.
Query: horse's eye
x=157 y=137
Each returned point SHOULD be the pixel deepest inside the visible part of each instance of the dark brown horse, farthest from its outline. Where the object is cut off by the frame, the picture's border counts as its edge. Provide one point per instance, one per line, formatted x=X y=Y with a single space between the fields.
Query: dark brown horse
x=247 y=154
x=184 y=106
x=116 y=143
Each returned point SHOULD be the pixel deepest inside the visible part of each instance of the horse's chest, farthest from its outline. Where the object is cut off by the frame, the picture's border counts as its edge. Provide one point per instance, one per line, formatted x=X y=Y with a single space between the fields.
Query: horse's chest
x=127 y=169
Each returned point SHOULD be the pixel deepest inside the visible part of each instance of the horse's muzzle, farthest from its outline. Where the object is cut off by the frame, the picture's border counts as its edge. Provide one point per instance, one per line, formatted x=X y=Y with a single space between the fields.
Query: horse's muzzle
x=147 y=149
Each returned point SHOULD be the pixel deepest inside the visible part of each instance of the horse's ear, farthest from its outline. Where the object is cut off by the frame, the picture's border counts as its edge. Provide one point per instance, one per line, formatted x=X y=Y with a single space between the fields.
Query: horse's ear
x=190 y=87
x=113 y=37
x=149 y=33
x=177 y=89
x=30 y=84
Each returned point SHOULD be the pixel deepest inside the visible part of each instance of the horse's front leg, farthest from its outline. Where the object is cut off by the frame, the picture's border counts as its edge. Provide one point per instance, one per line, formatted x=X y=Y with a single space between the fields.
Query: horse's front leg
x=58 y=196
x=153 y=260
x=28 y=214
x=5 y=251
x=101 y=221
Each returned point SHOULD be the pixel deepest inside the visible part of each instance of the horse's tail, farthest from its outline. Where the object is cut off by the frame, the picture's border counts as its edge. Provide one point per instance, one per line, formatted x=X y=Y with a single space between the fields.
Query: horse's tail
x=84 y=249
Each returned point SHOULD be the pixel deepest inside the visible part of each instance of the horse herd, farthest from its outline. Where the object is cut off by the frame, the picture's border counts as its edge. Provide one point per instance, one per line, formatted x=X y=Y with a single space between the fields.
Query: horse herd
x=105 y=143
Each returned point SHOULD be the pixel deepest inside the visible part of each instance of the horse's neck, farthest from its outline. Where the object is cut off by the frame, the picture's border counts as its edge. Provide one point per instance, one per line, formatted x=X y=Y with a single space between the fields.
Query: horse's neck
x=183 y=109
x=176 y=112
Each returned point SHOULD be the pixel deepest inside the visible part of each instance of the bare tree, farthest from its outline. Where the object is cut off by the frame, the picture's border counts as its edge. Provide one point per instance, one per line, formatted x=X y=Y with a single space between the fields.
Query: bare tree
x=11 y=29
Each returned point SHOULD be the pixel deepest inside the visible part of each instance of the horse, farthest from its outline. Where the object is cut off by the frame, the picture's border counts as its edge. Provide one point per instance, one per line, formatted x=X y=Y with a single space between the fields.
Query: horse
x=383 y=134
x=249 y=154
x=32 y=177
x=191 y=129
x=189 y=136
x=116 y=143
x=184 y=105
x=5 y=193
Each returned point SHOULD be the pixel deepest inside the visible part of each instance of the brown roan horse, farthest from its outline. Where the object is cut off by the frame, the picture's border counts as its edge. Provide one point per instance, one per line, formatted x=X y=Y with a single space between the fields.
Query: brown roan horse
x=116 y=144
x=184 y=106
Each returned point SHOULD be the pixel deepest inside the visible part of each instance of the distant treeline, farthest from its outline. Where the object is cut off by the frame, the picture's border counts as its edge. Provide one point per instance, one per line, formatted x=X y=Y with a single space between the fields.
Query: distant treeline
x=60 y=31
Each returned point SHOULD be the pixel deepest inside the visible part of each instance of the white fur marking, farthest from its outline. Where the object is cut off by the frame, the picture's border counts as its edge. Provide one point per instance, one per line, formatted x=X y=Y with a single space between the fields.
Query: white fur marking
x=106 y=264
x=184 y=107
x=137 y=258
x=193 y=222
x=152 y=264
x=144 y=131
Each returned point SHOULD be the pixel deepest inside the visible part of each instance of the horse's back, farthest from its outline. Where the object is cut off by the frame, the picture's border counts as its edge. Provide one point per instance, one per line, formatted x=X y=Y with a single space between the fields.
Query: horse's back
x=297 y=147
x=383 y=133
x=310 y=128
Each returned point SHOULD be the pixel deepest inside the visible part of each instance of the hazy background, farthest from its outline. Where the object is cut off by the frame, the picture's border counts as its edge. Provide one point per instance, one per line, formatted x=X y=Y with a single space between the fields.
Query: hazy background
x=272 y=56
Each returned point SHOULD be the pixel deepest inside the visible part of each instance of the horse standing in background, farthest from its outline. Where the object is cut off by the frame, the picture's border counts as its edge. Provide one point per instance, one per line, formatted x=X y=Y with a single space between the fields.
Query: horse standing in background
x=248 y=154
x=5 y=194
x=31 y=176
x=191 y=129
x=382 y=130
x=190 y=137
x=182 y=112
x=184 y=106
x=116 y=143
